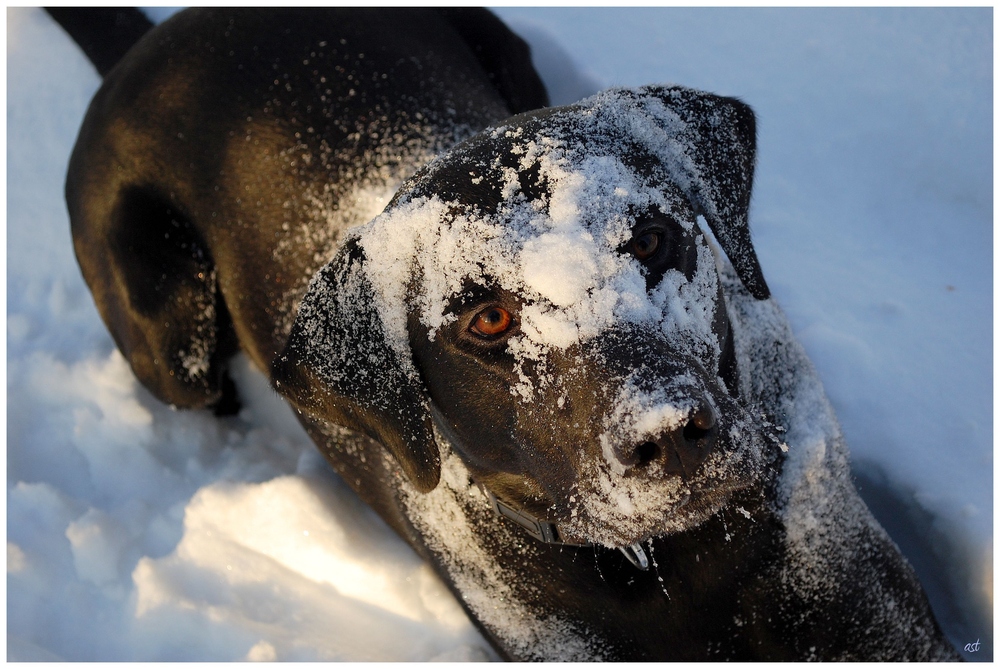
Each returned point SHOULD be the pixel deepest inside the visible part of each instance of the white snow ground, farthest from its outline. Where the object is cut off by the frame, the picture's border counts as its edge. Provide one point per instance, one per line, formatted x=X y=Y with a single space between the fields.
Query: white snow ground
x=139 y=533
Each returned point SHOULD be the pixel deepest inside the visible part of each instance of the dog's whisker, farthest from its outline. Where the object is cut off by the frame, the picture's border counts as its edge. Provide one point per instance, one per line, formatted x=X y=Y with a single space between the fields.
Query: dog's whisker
x=656 y=568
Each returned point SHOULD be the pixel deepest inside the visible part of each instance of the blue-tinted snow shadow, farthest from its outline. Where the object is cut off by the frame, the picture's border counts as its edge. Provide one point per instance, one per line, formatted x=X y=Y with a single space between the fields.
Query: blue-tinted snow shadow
x=931 y=552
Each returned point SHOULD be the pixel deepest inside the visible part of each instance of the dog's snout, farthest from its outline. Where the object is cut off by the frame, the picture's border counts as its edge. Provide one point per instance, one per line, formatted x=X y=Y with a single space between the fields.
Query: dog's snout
x=678 y=451
x=700 y=424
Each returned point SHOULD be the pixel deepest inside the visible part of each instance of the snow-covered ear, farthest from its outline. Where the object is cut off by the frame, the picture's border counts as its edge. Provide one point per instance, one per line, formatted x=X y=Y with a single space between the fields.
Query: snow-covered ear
x=719 y=147
x=340 y=367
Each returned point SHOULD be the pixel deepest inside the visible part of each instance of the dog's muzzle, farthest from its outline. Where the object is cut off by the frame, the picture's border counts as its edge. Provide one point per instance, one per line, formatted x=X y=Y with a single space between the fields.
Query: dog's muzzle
x=542 y=530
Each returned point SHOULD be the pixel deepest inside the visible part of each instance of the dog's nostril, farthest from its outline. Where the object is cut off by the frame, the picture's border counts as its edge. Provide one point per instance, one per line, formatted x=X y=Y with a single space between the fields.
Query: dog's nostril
x=646 y=453
x=700 y=425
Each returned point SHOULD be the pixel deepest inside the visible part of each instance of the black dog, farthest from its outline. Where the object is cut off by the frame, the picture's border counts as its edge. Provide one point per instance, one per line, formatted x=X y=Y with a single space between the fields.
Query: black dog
x=533 y=363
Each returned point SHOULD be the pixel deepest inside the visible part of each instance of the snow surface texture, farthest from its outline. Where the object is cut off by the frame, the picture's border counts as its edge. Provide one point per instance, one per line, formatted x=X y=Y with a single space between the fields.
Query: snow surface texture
x=135 y=532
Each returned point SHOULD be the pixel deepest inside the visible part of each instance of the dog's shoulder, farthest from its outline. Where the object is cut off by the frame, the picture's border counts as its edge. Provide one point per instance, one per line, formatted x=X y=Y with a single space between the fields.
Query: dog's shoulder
x=840 y=563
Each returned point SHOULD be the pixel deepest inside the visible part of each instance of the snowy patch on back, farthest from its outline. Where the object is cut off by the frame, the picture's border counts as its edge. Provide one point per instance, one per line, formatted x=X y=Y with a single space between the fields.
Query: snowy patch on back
x=342 y=204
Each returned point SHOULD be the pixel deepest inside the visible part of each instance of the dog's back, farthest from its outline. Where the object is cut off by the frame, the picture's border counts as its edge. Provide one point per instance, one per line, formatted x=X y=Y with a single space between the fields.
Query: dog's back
x=214 y=137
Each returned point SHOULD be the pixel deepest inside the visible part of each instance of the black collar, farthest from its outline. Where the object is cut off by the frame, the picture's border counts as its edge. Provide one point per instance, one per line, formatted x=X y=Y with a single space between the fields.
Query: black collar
x=549 y=533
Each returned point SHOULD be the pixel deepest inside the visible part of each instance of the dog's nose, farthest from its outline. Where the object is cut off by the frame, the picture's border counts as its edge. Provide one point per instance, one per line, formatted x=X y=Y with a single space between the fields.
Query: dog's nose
x=678 y=451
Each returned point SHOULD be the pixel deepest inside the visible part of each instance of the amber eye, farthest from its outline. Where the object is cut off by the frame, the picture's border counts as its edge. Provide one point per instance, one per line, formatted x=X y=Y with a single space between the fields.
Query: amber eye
x=645 y=245
x=491 y=322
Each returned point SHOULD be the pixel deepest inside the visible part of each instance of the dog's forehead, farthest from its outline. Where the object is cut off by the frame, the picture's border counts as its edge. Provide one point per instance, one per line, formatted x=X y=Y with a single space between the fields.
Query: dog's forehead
x=539 y=207
x=615 y=141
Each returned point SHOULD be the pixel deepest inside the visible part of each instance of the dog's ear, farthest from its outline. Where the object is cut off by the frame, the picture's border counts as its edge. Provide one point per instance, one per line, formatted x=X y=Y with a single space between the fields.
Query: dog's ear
x=340 y=367
x=720 y=135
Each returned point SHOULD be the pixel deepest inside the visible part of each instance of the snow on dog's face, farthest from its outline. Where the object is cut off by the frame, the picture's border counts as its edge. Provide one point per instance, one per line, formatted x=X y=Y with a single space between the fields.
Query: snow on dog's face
x=545 y=292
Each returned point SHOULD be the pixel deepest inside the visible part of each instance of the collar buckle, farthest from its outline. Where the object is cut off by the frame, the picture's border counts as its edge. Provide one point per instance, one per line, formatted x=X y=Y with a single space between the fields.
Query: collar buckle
x=548 y=533
x=542 y=530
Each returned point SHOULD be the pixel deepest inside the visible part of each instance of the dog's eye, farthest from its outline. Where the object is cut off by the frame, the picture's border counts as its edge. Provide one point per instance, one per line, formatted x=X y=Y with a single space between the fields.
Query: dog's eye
x=645 y=245
x=491 y=322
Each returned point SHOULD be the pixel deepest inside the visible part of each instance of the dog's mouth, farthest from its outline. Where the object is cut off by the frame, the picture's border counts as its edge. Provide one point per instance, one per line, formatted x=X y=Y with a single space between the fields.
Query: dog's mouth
x=588 y=497
x=615 y=515
x=619 y=508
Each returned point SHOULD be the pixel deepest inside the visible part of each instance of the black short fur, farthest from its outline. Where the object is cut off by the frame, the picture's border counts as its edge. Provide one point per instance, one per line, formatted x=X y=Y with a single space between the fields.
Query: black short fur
x=211 y=181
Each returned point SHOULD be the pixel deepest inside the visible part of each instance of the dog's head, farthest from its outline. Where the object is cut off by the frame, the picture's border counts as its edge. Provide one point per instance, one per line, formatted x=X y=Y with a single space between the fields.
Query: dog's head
x=544 y=294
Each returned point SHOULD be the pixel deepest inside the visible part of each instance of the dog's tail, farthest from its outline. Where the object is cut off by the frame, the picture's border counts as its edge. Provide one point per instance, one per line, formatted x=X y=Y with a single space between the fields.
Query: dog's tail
x=105 y=34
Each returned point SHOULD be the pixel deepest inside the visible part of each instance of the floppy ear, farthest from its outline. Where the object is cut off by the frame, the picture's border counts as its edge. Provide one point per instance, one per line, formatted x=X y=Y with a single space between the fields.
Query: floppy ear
x=340 y=367
x=721 y=136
